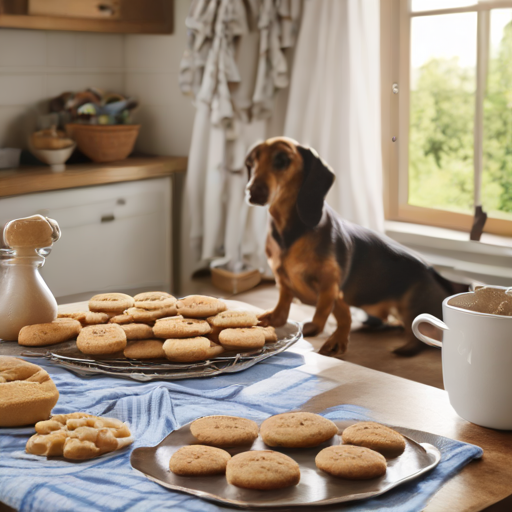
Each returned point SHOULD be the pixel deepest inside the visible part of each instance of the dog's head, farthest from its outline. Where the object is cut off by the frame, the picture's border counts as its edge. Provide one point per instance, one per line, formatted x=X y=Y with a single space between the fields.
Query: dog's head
x=281 y=163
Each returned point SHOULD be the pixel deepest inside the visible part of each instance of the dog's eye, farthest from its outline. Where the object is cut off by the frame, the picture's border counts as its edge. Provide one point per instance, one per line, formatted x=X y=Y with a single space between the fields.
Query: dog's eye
x=281 y=161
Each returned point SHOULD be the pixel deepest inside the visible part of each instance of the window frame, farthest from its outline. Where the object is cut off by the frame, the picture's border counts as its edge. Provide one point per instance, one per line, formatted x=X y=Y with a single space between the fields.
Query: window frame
x=396 y=18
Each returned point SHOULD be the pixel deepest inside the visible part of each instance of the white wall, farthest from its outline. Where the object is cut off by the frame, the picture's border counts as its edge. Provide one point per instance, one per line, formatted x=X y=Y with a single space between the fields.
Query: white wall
x=36 y=65
x=152 y=68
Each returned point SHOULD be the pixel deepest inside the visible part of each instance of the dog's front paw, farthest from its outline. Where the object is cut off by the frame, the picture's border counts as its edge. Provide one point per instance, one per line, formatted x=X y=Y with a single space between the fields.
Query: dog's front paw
x=335 y=346
x=310 y=329
x=272 y=318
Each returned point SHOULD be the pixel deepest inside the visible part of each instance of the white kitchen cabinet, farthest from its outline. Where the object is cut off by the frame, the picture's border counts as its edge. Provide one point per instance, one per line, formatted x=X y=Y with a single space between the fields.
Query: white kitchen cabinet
x=114 y=237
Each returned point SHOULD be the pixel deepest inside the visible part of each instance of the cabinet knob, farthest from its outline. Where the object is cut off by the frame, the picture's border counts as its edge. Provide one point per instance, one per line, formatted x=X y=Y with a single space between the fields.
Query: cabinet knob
x=108 y=218
x=106 y=9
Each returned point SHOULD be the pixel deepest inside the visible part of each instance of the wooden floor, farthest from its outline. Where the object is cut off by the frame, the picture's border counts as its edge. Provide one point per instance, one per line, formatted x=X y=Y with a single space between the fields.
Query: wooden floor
x=372 y=349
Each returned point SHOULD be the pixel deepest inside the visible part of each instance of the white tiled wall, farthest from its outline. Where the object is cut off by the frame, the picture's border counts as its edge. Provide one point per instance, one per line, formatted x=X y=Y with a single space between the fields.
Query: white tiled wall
x=152 y=66
x=37 y=65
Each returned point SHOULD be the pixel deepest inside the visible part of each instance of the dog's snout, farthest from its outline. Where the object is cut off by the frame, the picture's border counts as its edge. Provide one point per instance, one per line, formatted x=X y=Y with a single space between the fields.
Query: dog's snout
x=258 y=193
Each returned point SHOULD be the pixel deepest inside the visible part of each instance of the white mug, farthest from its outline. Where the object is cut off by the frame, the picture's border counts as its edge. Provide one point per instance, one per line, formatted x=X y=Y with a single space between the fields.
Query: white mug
x=477 y=363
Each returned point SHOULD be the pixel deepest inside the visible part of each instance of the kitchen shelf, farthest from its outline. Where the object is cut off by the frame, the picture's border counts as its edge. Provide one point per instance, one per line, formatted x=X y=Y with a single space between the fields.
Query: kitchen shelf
x=129 y=16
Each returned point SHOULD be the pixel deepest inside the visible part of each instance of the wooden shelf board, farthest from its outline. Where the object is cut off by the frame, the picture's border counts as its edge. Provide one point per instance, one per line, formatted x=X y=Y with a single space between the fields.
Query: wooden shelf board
x=84 y=25
x=26 y=180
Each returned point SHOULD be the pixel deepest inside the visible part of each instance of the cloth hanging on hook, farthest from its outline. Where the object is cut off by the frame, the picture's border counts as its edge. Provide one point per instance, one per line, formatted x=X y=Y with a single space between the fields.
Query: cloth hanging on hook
x=233 y=65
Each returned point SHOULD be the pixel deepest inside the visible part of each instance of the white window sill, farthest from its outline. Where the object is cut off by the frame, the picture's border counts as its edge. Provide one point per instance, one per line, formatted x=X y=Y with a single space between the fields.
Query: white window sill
x=454 y=255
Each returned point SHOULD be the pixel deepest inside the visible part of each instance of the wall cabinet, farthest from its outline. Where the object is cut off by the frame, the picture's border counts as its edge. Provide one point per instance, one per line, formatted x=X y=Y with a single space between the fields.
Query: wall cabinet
x=122 y=16
x=114 y=237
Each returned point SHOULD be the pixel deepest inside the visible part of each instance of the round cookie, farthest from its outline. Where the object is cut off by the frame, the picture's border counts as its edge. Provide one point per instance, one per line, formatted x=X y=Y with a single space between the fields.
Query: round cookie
x=150 y=316
x=179 y=327
x=297 y=430
x=112 y=303
x=242 y=339
x=191 y=350
x=224 y=431
x=233 y=318
x=137 y=331
x=199 y=306
x=86 y=317
x=375 y=436
x=145 y=349
x=351 y=462
x=269 y=333
x=214 y=334
x=197 y=460
x=262 y=470
x=154 y=300
x=101 y=339
x=121 y=319
x=58 y=331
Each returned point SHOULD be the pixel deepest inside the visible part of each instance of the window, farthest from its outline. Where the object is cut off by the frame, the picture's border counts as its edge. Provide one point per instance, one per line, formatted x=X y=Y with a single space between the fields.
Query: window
x=454 y=113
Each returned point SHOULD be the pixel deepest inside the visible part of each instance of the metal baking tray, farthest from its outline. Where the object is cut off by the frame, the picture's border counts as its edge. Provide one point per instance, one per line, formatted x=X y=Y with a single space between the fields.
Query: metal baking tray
x=69 y=357
x=315 y=487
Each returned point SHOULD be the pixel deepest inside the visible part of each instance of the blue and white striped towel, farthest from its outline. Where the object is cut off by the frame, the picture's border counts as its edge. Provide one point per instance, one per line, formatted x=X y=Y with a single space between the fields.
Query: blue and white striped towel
x=109 y=484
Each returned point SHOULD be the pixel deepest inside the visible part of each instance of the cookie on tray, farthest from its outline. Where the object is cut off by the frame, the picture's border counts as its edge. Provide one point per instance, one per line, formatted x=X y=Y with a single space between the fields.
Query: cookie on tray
x=242 y=339
x=224 y=431
x=198 y=460
x=154 y=300
x=269 y=333
x=86 y=317
x=145 y=349
x=233 y=318
x=101 y=339
x=351 y=462
x=121 y=319
x=58 y=331
x=297 y=430
x=112 y=303
x=375 y=436
x=179 y=327
x=191 y=350
x=263 y=470
x=146 y=316
x=214 y=334
x=199 y=306
x=137 y=331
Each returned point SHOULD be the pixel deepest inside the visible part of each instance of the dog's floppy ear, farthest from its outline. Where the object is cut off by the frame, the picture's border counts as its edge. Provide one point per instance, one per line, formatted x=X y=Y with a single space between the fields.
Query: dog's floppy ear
x=318 y=179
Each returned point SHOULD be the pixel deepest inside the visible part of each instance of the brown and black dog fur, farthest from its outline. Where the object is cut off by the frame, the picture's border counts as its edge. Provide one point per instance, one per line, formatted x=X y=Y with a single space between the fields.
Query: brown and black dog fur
x=328 y=262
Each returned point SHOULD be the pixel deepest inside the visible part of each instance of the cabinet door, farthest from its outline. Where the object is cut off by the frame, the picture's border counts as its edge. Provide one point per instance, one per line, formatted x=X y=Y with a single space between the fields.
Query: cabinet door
x=114 y=237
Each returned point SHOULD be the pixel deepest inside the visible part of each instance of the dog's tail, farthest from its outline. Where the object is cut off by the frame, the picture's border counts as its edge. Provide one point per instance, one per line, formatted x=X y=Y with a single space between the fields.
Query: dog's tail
x=451 y=287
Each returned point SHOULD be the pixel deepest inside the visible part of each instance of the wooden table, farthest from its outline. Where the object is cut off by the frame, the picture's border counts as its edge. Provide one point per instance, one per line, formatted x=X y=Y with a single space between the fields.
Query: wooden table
x=408 y=404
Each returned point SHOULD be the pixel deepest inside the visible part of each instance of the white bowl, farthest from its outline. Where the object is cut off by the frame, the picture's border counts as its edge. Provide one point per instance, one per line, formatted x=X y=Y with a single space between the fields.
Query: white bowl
x=55 y=158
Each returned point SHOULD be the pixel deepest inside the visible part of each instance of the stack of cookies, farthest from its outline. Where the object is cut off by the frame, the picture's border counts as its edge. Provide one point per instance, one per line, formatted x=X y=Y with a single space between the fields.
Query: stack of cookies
x=362 y=456
x=153 y=325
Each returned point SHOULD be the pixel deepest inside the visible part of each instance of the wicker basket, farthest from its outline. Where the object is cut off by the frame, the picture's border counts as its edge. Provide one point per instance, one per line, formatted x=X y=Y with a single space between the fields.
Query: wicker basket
x=104 y=143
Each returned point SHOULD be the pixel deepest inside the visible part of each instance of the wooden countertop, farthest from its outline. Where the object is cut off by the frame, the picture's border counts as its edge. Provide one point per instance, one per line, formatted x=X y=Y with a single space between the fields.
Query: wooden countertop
x=26 y=180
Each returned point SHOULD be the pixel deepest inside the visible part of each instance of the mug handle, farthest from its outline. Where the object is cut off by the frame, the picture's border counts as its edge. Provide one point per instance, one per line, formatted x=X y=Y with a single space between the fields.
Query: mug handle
x=432 y=320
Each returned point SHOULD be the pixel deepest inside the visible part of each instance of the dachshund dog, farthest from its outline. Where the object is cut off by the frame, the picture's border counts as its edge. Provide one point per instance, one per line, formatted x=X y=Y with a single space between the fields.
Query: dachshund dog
x=328 y=262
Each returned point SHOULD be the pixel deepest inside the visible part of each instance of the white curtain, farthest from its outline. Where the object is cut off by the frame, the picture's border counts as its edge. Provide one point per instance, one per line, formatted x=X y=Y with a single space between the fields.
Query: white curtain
x=334 y=103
